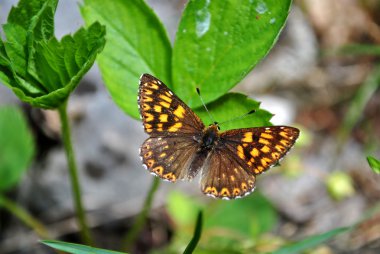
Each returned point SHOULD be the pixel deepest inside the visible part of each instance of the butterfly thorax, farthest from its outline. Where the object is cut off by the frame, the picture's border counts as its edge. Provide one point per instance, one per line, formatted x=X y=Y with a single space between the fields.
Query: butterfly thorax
x=210 y=137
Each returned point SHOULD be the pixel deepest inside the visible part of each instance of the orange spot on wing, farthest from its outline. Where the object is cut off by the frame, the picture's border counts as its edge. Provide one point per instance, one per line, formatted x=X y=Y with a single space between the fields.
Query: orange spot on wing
x=163 y=118
x=265 y=149
x=267 y=136
x=165 y=104
x=247 y=137
x=254 y=152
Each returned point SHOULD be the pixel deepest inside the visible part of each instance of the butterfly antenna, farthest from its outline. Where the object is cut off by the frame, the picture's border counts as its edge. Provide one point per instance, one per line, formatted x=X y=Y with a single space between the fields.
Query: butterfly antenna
x=204 y=105
x=239 y=117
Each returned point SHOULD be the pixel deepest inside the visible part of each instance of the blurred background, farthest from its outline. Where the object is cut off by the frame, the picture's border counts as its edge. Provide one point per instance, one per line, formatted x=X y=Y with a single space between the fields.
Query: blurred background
x=322 y=76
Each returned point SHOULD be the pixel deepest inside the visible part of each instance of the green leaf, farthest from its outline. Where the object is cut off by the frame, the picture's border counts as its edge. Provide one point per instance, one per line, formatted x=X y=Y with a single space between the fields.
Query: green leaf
x=38 y=68
x=197 y=234
x=183 y=209
x=61 y=65
x=16 y=147
x=34 y=21
x=77 y=248
x=57 y=63
x=219 y=42
x=36 y=16
x=136 y=43
x=250 y=216
x=233 y=105
x=374 y=164
x=311 y=242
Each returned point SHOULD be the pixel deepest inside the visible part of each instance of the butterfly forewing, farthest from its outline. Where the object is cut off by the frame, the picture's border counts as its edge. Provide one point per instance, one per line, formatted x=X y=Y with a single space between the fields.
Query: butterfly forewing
x=259 y=148
x=172 y=126
x=162 y=112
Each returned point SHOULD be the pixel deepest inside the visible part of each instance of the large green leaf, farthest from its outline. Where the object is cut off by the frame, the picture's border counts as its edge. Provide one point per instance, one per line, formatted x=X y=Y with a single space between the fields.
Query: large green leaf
x=219 y=42
x=233 y=105
x=77 y=248
x=16 y=147
x=136 y=43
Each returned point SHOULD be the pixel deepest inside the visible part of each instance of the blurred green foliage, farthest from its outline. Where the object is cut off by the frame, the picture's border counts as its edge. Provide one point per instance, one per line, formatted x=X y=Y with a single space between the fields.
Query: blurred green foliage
x=227 y=224
x=374 y=164
x=16 y=147
x=77 y=248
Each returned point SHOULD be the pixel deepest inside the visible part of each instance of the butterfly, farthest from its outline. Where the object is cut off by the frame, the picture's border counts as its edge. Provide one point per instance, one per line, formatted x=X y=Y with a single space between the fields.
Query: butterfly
x=180 y=146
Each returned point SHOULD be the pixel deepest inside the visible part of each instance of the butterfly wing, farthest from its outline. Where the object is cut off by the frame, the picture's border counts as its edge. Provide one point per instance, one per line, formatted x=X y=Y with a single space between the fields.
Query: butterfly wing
x=163 y=113
x=168 y=158
x=258 y=149
x=173 y=128
x=224 y=176
x=240 y=155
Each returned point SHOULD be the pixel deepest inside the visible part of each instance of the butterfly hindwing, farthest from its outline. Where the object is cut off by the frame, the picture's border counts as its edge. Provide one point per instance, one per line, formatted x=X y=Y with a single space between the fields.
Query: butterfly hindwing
x=168 y=158
x=162 y=112
x=224 y=176
x=259 y=148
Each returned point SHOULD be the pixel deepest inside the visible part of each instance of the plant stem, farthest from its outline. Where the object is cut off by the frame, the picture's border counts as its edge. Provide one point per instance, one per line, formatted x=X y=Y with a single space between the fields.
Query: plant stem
x=130 y=237
x=24 y=216
x=73 y=172
x=196 y=236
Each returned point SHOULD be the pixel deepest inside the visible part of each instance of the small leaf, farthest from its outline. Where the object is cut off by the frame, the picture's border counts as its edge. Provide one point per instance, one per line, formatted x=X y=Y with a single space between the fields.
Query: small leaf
x=234 y=105
x=219 y=42
x=311 y=242
x=136 y=43
x=16 y=147
x=77 y=248
x=374 y=164
x=197 y=234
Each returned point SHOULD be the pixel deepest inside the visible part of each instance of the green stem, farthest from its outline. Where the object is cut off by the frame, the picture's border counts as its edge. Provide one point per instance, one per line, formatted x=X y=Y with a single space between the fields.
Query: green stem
x=196 y=236
x=130 y=238
x=75 y=187
x=24 y=216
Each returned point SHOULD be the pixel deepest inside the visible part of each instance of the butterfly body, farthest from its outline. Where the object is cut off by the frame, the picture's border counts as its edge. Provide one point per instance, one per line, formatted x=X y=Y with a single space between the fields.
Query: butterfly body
x=180 y=146
x=210 y=137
